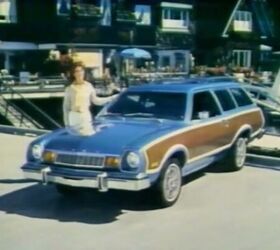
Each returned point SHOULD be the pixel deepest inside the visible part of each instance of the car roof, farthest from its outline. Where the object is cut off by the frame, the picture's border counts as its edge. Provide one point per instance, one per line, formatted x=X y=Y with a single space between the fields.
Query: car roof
x=187 y=85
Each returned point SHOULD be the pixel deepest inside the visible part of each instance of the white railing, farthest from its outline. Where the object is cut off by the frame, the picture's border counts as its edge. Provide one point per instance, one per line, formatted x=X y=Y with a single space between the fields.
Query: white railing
x=242 y=26
x=176 y=24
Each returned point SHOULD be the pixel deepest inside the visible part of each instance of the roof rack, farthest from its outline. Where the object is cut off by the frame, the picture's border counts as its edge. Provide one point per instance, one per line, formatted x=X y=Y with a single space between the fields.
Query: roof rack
x=195 y=80
x=218 y=79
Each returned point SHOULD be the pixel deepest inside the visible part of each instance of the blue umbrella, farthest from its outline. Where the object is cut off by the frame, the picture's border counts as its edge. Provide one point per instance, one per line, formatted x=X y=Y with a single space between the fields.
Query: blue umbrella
x=136 y=53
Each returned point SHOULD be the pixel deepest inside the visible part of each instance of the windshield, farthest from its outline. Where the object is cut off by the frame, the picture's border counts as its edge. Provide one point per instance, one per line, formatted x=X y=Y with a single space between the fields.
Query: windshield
x=150 y=104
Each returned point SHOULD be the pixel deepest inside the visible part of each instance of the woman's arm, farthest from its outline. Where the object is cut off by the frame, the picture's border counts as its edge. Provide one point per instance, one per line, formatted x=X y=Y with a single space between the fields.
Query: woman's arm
x=100 y=101
x=66 y=106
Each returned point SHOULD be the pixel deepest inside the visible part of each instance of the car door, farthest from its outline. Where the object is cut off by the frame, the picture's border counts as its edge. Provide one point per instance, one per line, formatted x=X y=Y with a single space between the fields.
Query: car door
x=208 y=128
x=229 y=109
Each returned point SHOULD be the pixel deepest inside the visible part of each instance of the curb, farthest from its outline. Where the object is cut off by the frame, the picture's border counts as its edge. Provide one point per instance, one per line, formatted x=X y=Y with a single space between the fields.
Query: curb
x=262 y=161
x=22 y=131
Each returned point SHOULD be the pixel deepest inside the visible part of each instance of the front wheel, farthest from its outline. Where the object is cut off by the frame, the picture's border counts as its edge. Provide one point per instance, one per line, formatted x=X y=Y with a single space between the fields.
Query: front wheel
x=168 y=187
x=237 y=155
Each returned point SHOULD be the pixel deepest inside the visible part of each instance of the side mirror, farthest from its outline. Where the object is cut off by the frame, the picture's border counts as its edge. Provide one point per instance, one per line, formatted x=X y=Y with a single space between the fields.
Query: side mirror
x=203 y=115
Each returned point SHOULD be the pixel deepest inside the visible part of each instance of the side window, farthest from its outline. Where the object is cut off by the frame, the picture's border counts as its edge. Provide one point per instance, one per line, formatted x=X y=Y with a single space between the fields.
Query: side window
x=225 y=99
x=241 y=97
x=204 y=102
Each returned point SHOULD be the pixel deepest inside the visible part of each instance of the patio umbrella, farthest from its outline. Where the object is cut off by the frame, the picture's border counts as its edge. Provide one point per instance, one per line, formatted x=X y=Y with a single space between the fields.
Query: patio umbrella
x=135 y=53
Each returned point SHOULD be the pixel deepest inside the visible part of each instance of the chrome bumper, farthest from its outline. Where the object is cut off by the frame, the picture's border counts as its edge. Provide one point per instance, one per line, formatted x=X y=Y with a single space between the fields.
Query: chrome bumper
x=101 y=182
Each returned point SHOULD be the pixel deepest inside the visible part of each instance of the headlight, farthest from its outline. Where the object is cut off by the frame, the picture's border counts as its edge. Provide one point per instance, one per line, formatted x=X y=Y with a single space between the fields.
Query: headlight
x=37 y=151
x=133 y=160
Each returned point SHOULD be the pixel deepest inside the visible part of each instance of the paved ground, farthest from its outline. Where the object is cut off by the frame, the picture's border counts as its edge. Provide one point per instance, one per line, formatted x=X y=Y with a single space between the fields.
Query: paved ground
x=216 y=211
x=268 y=141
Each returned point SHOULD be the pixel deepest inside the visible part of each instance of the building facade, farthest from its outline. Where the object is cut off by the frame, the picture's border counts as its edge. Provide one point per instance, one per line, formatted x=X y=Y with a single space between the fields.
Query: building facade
x=95 y=30
x=235 y=33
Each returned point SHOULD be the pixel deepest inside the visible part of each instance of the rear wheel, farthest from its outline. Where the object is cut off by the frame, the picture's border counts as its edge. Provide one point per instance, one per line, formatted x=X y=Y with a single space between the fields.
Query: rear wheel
x=168 y=187
x=237 y=155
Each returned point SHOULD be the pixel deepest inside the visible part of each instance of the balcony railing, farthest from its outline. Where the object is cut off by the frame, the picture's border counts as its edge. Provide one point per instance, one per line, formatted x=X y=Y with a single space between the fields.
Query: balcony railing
x=86 y=11
x=170 y=24
x=125 y=16
x=243 y=26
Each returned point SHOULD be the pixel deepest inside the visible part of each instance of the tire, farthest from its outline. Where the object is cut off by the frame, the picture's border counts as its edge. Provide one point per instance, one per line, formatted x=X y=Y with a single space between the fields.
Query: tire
x=168 y=188
x=65 y=190
x=235 y=160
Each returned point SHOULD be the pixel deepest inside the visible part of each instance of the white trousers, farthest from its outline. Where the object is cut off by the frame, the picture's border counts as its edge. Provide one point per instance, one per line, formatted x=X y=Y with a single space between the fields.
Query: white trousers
x=81 y=123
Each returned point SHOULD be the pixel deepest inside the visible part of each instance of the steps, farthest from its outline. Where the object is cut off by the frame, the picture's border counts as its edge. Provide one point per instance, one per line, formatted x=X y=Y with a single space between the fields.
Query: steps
x=16 y=116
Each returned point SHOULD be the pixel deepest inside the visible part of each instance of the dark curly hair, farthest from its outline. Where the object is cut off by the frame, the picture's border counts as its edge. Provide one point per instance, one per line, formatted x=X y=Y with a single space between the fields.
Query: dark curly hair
x=73 y=68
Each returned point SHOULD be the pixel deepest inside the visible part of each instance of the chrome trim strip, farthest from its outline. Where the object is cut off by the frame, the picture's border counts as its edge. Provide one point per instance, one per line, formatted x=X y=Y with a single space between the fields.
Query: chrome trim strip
x=131 y=185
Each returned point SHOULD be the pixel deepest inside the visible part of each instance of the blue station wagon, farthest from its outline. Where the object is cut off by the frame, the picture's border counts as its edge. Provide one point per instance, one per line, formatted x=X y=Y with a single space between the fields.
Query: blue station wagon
x=150 y=137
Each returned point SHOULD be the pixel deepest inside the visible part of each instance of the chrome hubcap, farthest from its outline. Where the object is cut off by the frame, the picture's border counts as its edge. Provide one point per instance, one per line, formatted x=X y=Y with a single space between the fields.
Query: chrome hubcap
x=172 y=182
x=241 y=149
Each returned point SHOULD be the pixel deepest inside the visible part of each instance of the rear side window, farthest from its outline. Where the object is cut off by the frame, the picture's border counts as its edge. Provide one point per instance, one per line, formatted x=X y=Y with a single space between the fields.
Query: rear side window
x=241 y=97
x=204 y=102
x=225 y=99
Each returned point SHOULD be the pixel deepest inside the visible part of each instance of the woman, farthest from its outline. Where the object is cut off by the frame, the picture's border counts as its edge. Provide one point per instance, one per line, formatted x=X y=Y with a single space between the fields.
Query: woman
x=77 y=101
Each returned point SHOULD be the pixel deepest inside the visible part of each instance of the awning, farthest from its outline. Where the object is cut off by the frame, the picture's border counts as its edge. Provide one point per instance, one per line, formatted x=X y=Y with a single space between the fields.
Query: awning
x=265 y=47
x=136 y=53
x=12 y=46
x=51 y=46
x=176 y=5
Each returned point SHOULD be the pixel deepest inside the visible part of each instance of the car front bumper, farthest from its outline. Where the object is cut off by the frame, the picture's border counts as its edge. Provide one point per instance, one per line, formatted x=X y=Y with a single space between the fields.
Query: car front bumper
x=99 y=180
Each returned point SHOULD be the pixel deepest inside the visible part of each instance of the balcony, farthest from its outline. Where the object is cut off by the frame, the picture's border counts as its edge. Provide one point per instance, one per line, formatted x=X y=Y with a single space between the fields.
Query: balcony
x=173 y=25
x=86 y=11
x=125 y=16
x=242 y=26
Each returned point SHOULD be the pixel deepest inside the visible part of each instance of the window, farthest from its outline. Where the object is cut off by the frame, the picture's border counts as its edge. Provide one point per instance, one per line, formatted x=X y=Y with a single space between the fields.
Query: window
x=180 y=61
x=243 y=21
x=106 y=10
x=242 y=58
x=151 y=104
x=165 y=61
x=175 y=18
x=225 y=99
x=241 y=97
x=8 y=12
x=204 y=102
x=143 y=14
x=63 y=7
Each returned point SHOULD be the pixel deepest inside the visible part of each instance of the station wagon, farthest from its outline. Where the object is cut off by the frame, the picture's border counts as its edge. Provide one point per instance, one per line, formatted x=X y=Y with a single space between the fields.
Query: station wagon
x=150 y=137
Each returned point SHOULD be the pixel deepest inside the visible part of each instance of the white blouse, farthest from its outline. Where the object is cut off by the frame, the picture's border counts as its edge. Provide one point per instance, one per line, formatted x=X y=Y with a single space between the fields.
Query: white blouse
x=79 y=97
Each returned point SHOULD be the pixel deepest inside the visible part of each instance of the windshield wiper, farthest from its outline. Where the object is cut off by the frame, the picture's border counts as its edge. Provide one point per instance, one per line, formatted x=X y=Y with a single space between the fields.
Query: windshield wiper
x=111 y=114
x=139 y=114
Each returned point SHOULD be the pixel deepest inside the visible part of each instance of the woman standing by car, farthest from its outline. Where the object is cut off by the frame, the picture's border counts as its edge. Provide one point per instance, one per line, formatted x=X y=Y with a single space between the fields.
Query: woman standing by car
x=77 y=101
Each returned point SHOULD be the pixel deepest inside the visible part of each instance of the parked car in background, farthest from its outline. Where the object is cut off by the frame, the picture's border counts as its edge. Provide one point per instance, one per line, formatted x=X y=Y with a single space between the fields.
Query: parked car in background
x=151 y=137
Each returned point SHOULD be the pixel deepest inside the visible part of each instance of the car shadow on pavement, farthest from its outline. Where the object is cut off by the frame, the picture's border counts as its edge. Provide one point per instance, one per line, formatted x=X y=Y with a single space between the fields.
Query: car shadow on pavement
x=14 y=181
x=85 y=206
x=217 y=168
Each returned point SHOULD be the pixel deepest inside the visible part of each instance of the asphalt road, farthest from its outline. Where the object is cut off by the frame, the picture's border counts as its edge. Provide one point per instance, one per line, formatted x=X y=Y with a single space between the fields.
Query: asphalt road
x=216 y=211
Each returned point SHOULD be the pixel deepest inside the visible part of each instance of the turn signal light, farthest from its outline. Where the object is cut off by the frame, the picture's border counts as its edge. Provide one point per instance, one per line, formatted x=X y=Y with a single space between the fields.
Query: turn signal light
x=112 y=162
x=49 y=156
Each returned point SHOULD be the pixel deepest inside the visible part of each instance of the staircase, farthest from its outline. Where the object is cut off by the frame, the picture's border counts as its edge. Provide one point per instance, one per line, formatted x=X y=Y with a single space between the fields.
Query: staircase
x=17 y=117
x=20 y=119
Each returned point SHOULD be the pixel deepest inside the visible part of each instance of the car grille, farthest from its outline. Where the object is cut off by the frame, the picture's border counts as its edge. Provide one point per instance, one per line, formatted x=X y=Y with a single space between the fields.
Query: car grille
x=80 y=160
